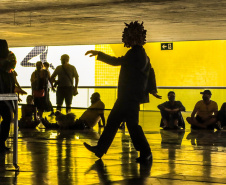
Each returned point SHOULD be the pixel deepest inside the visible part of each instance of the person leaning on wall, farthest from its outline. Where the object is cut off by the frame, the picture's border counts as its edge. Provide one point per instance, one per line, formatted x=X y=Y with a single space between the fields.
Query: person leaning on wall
x=93 y=115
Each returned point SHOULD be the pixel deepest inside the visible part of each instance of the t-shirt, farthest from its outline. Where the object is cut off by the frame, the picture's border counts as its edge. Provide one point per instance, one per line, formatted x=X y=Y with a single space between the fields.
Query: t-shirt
x=63 y=78
x=205 y=110
x=92 y=114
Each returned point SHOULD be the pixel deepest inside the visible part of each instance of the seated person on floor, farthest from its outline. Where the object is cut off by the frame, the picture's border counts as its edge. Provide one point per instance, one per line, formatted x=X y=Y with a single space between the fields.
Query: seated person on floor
x=171 y=113
x=205 y=111
x=29 y=117
x=93 y=115
x=222 y=116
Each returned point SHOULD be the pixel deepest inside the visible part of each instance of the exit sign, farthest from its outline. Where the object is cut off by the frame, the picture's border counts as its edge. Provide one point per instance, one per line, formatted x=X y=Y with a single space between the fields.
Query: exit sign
x=166 y=46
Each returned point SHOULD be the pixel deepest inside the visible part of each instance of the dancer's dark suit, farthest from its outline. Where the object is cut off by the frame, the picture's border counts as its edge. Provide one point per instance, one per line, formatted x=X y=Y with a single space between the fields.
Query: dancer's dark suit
x=136 y=81
x=133 y=89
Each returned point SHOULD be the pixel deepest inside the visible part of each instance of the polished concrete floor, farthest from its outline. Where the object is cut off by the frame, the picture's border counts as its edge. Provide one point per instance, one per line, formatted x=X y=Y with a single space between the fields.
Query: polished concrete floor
x=49 y=157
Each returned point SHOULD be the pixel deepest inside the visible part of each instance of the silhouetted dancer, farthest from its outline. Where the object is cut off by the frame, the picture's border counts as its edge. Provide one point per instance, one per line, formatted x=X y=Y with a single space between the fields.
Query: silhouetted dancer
x=136 y=81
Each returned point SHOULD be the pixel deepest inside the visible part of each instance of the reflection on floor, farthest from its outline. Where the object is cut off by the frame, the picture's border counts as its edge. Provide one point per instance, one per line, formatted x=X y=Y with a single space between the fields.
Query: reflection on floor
x=59 y=157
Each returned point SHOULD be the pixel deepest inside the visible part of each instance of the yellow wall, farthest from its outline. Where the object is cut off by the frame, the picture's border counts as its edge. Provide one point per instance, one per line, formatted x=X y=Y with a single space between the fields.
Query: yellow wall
x=190 y=63
x=196 y=63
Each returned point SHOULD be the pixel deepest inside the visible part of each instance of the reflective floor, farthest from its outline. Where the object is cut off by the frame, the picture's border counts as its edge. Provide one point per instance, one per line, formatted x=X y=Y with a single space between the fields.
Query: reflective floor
x=59 y=157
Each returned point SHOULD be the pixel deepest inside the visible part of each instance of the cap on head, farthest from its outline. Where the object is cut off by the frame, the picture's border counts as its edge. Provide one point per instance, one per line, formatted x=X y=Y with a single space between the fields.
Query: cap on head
x=206 y=92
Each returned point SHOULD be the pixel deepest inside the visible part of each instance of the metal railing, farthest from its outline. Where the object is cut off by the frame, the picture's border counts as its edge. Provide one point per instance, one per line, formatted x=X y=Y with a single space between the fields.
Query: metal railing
x=14 y=98
x=82 y=100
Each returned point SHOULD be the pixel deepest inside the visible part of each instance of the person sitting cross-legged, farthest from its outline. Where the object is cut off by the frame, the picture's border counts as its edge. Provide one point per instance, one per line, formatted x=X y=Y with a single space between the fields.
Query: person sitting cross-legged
x=171 y=113
x=93 y=115
x=206 y=113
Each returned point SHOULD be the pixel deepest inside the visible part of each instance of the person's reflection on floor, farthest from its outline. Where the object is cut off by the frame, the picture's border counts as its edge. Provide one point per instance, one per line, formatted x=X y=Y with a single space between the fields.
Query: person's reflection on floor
x=139 y=172
x=64 y=161
x=171 y=140
x=204 y=138
x=104 y=178
x=220 y=138
x=172 y=137
x=66 y=153
x=101 y=170
x=39 y=153
x=201 y=137
x=145 y=169
x=7 y=172
x=129 y=154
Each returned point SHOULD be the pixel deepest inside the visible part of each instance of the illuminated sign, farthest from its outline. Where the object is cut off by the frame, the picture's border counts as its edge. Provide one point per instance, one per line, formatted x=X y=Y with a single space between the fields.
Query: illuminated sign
x=166 y=46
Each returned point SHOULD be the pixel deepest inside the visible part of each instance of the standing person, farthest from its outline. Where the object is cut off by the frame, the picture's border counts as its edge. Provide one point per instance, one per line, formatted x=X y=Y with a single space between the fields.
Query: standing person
x=39 y=84
x=65 y=91
x=171 y=112
x=7 y=85
x=136 y=81
x=204 y=115
x=46 y=66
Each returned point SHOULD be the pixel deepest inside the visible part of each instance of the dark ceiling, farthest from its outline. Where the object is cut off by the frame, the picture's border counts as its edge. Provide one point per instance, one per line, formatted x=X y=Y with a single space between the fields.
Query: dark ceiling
x=75 y=22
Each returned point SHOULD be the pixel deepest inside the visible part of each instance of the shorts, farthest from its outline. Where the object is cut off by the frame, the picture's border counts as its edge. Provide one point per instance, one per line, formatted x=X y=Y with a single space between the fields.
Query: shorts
x=64 y=93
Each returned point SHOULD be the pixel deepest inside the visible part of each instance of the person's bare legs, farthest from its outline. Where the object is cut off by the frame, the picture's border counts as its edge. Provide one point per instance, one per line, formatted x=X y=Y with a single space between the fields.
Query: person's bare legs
x=68 y=109
x=210 y=121
x=195 y=122
x=40 y=113
x=175 y=122
x=166 y=124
